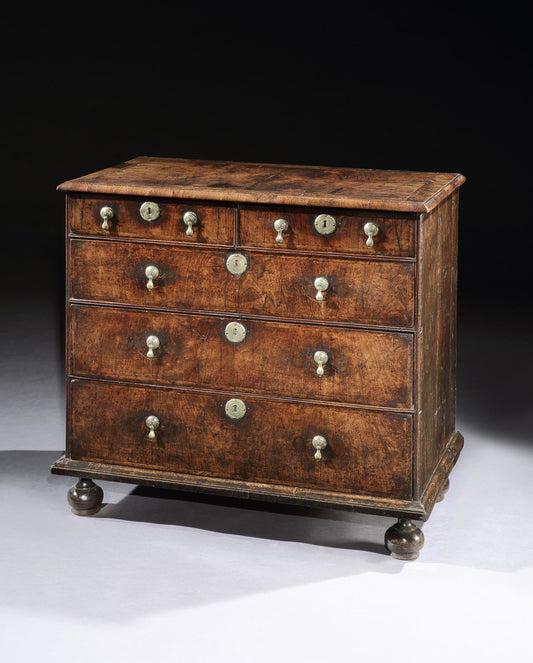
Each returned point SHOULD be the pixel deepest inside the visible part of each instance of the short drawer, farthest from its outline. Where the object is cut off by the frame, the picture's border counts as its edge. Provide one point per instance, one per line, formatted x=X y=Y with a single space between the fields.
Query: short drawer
x=358 y=291
x=154 y=219
x=332 y=231
x=191 y=432
x=250 y=356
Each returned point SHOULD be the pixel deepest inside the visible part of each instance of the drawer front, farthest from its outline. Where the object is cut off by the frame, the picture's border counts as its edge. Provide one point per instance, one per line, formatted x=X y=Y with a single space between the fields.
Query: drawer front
x=358 y=291
x=214 y=224
x=366 y=452
x=395 y=232
x=361 y=367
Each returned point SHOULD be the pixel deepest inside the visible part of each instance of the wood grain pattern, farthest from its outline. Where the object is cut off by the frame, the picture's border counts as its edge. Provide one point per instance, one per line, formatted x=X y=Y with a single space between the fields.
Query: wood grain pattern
x=85 y=498
x=356 y=188
x=215 y=222
x=386 y=401
x=396 y=235
x=233 y=488
x=441 y=472
x=386 y=506
x=370 y=292
x=436 y=338
x=364 y=367
x=367 y=452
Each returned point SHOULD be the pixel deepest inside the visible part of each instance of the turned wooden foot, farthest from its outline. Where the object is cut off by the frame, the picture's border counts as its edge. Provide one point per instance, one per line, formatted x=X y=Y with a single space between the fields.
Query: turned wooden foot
x=85 y=498
x=443 y=490
x=404 y=540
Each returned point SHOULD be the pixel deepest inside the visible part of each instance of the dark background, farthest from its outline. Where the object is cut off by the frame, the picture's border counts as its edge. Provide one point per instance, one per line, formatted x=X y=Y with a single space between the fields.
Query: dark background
x=417 y=87
x=430 y=87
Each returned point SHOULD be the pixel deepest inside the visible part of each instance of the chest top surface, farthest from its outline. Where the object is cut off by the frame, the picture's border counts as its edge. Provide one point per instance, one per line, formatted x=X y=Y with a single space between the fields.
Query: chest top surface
x=392 y=190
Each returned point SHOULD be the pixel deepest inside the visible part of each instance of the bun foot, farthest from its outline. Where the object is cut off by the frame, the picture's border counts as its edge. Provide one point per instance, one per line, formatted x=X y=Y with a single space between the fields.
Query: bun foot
x=85 y=498
x=443 y=490
x=404 y=540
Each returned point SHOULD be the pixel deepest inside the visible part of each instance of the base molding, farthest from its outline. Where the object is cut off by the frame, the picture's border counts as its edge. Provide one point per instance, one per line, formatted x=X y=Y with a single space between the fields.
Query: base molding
x=414 y=509
x=441 y=473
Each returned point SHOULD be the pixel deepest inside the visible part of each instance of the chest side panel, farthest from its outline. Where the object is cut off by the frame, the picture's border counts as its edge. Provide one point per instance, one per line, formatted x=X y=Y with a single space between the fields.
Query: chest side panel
x=436 y=337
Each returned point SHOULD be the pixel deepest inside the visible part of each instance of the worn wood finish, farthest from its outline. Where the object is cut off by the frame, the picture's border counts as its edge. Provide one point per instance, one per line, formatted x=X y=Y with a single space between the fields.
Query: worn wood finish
x=404 y=540
x=386 y=400
x=436 y=337
x=85 y=498
x=352 y=188
x=267 y=492
x=408 y=508
x=396 y=237
x=367 y=452
x=364 y=367
x=442 y=493
x=371 y=292
x=441 y=472
x=215 y=221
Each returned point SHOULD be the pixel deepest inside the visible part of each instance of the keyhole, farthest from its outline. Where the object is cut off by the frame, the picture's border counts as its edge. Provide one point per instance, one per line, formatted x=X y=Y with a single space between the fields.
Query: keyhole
x=234 y=408
x=325 y=224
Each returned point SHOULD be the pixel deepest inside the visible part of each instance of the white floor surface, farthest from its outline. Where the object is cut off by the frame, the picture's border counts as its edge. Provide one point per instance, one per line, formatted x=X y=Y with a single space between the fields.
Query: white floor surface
x=157 y=577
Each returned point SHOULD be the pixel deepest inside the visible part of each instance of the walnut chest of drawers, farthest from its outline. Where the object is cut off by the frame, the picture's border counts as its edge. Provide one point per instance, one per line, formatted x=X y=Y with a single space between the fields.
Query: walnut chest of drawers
x=278 y=332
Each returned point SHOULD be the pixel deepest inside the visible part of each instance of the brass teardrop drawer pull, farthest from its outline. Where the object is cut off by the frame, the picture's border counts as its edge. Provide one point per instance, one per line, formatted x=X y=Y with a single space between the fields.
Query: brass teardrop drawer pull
x=320 y=358
x=152 y=343
x=280 y=226
x=151 y=273
x=321 y=285
x=152 y=423
x=371 y=230
x=319 y=442
x=107 y=214
x=190 y=219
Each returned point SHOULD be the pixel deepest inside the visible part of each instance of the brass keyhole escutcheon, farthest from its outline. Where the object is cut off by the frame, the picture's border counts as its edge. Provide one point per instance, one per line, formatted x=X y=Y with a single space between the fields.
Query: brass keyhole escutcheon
x=149 y=211
x=236 y=263
x=325 y=224
x=235 y=332
x=235 y=408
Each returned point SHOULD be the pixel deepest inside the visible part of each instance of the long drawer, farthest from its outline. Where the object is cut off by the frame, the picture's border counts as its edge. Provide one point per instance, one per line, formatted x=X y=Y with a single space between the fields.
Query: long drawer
x=365 y=452
x=354 y=291
x=364 y=367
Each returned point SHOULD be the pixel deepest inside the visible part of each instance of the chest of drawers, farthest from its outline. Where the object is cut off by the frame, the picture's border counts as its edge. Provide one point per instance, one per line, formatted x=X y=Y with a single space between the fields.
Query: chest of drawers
x=284 y=333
